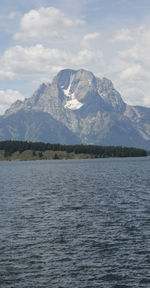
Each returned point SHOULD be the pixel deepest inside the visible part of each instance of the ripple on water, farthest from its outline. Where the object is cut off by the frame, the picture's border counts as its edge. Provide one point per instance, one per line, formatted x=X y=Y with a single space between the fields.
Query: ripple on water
x=74 y=224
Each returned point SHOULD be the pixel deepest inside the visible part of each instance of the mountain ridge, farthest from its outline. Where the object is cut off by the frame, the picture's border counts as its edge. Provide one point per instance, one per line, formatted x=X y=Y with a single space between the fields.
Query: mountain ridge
x=90 y=108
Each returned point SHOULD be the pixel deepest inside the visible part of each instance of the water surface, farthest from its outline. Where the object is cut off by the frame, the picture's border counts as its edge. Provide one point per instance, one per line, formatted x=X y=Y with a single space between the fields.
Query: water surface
x=75 y=223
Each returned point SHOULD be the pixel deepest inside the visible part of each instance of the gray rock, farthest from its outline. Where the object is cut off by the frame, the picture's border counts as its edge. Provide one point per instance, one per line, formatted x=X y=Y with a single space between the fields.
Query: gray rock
x=87 y=106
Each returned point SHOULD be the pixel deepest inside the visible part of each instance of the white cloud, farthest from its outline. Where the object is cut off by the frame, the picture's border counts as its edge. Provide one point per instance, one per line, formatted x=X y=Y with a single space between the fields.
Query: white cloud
x=89 y=37
x=87 y=58
x=130 y=68
x=43 y=23
x=131 y=72
x=41 y=64
x=122 y=35
x=127 y=35
x=20 y=61
x=7 y=97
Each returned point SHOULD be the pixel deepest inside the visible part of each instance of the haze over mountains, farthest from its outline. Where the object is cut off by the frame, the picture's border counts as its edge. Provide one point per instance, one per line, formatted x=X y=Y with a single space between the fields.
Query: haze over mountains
x=77 y=107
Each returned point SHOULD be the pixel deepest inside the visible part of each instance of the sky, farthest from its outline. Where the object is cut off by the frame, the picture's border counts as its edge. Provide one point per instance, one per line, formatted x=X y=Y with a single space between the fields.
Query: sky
x=110 y=38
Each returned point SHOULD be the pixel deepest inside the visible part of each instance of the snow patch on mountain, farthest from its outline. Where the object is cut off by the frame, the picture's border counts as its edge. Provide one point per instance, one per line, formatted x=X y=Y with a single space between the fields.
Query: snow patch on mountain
x=71 y=102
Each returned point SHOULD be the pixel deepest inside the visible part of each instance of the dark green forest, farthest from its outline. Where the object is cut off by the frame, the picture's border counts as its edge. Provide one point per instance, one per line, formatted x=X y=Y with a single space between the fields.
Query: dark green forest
x=9 y=147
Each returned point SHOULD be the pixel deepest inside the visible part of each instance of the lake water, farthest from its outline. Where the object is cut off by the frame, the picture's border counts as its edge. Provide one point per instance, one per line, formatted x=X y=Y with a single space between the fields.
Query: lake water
x=75 y=223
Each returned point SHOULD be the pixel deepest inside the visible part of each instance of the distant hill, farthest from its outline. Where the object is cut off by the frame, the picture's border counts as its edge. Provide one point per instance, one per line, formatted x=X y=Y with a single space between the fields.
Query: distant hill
x=77 y=107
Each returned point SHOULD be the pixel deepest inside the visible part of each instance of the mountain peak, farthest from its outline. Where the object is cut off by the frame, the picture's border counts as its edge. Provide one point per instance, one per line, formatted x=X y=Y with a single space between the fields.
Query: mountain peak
x=86 y=105
x=63 y=77
x=72 y=89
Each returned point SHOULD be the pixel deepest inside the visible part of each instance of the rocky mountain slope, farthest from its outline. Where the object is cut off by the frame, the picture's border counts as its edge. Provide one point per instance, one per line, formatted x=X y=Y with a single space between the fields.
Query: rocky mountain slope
x=77 y=107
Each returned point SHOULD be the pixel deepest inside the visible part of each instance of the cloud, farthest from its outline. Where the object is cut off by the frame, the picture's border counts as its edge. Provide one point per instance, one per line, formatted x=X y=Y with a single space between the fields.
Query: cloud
x=37 y=60
x=131 y=66
x=19 y=61
x=89 y=37
x=127 y=35
x=131 y=72
x=43 y=23
x=41 y=64
x=123 y=35
x=7 y=97
x=86 y=58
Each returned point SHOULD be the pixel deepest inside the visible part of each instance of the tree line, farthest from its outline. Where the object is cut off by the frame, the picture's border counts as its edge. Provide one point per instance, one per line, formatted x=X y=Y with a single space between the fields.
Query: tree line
x=10 y=147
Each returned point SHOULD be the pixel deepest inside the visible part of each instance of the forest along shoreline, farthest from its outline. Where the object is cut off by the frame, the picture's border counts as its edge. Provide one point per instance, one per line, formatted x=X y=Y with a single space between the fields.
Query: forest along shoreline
x=25 y=151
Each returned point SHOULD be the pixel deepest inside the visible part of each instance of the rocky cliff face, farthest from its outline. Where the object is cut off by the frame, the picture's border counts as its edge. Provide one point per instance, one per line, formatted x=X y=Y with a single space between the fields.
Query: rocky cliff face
x=90 y=108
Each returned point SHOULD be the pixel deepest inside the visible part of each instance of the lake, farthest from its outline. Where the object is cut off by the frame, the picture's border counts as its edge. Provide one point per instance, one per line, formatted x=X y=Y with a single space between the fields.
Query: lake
x=75 y=223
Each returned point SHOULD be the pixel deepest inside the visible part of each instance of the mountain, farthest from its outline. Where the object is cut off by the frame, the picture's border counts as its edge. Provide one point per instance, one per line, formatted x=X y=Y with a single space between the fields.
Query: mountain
x=77 y=107
x=35 y=126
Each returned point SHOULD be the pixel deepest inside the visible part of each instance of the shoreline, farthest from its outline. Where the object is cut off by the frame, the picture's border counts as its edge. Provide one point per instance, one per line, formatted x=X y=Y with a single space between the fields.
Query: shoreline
x=26 y=151
x=29 y=155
